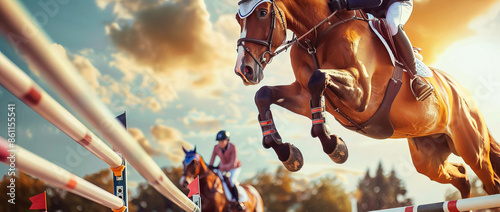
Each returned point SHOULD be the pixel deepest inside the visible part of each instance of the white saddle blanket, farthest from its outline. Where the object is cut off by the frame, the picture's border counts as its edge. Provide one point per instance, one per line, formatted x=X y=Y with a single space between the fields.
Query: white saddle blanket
x=242 y=194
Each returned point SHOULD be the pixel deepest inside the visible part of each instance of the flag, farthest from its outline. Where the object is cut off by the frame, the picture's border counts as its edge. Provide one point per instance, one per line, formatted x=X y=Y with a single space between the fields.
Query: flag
x=194 y=187
x=123 y=119
x=38 y=202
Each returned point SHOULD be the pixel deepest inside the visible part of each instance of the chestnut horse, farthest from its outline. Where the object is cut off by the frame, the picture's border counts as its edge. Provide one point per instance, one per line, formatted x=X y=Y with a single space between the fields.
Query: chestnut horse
x=211 y=190
x=338 y=57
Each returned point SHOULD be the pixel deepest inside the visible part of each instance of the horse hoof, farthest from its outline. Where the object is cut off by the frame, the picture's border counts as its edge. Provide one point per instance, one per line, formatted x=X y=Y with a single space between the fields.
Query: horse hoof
x=295 y=160
x=340 y=154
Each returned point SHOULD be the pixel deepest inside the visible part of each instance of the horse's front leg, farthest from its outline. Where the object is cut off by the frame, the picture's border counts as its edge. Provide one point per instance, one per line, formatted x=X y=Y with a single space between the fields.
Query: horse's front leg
x=346 y=87
x=292 y=97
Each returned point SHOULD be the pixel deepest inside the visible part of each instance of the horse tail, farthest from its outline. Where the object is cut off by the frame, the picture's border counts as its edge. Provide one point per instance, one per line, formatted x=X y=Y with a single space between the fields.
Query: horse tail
x=495 y=156
x=259 y=204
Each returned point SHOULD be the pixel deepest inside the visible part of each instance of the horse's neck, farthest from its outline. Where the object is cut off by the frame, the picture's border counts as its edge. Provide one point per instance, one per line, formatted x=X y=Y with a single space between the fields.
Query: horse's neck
x=303 y=15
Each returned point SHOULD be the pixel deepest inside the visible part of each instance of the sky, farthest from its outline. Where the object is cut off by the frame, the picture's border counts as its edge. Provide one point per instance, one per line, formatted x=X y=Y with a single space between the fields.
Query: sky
x=169 y=64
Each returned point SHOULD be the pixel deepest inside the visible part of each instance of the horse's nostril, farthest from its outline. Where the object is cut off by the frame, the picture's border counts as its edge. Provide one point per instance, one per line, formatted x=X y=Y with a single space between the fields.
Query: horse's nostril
x=248 y=70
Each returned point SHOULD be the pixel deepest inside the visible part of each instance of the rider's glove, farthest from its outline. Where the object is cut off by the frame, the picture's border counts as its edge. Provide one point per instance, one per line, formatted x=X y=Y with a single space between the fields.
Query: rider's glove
x=337 y=5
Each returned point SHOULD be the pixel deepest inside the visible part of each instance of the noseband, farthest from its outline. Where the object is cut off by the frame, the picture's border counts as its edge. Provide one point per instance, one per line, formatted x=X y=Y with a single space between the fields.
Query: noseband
x=267 y=43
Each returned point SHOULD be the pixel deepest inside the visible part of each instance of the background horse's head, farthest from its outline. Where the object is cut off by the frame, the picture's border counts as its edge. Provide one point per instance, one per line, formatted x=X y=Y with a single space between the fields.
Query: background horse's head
x=263 y=30
x=193 y=166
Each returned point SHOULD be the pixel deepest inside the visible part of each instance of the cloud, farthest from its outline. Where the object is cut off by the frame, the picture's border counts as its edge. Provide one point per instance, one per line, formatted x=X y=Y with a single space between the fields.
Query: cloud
x=435 y=25
x=126 y=9
x=171 y=141
x=153 y=104
x=142 y=140
x=87 y=70
x=174 y=40
x=29 y=134
x=199 y=121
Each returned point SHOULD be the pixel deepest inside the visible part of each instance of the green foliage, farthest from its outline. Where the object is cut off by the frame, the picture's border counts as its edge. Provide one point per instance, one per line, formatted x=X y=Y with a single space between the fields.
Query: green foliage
x=381 y=191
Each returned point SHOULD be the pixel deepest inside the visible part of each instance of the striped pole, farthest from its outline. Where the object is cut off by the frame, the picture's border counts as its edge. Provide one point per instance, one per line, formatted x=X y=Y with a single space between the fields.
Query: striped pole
x=56 y=176
x=475 y=203
x=63 y=77
x=24 y=88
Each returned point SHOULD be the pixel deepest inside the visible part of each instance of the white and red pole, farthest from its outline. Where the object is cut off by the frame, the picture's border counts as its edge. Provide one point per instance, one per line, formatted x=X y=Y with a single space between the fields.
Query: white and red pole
x=24 y=88
x=64 y=79
x=56 y=176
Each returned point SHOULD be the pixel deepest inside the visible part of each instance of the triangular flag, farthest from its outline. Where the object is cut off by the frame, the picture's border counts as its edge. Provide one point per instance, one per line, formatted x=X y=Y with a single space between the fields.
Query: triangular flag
x=38 y=202
x=194 y=187
x=123 y=119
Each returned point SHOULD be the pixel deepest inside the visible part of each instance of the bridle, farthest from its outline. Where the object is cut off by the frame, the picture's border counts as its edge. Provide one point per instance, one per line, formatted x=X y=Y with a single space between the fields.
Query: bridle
x=267 y=43
x=286 y=44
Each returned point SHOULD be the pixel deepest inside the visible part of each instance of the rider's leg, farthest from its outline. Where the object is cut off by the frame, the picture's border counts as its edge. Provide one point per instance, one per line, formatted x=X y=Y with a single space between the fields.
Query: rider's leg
x=233 y=178
x=397 y=15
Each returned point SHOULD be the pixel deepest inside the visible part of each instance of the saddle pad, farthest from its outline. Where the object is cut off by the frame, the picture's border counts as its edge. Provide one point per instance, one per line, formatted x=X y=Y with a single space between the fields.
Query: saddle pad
x=243 y=197
x=422 y=69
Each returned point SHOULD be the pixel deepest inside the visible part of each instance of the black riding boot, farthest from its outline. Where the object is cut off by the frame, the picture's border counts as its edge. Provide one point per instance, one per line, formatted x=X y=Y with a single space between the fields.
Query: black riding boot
x=239 y=206
x=420 y=88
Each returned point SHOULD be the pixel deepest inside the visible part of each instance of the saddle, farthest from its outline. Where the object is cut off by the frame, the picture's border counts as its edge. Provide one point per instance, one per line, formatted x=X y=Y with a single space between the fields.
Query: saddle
x=243 y=196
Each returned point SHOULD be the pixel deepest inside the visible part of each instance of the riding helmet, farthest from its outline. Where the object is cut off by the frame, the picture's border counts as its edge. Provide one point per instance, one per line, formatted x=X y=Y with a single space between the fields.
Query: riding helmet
x=222 y=135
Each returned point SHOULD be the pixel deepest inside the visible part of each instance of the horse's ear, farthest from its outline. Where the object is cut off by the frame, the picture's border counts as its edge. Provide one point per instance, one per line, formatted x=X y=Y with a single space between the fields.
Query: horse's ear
x=185 y=151
x=194 y=149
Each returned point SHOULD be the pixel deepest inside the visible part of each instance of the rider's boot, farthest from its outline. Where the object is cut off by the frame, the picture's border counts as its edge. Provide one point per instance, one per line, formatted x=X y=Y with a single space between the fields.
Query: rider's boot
x=420 y=88
x=239 y=206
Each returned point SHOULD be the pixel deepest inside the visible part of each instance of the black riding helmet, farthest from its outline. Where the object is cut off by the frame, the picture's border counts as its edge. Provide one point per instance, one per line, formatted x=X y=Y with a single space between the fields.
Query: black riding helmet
x=222 y=135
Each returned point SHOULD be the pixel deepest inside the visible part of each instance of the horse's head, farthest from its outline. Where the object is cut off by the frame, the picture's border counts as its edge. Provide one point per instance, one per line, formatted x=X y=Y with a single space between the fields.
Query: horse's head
x=193 y=166
x=263 y=30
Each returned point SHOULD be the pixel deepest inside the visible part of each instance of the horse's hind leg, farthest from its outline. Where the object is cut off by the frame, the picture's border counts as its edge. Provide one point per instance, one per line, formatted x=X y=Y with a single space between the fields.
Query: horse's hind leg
x=292 y=97
x=430 y=157
x=472 y=143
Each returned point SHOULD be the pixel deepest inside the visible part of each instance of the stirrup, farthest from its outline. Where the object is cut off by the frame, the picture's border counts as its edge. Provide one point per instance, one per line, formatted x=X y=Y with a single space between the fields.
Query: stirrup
x=425 y=94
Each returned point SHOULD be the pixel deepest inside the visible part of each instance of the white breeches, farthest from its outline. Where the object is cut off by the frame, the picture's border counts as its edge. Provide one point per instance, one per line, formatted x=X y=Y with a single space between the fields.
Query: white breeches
x=234 y=176
x=398 y=14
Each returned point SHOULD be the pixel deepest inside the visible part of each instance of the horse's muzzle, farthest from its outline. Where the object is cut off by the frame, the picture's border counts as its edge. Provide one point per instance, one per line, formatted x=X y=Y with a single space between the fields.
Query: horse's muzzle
x=250 y=75
x=183 y=182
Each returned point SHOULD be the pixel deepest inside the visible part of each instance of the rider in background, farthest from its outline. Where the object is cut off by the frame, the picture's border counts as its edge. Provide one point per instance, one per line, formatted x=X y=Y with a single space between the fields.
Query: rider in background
x=397 y=13
x=228 y=162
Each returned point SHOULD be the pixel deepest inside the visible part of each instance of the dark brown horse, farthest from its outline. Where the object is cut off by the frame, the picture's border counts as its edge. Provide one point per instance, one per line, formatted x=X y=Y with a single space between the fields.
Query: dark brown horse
x=338 y=57
x=212 y=193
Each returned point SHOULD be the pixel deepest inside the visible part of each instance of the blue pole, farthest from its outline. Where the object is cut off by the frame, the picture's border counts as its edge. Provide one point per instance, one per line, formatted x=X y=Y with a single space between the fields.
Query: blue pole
x=120 y=174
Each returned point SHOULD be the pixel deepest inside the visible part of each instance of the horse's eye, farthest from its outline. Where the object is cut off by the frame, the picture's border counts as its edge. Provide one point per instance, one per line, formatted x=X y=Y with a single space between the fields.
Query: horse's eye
x=262 y=13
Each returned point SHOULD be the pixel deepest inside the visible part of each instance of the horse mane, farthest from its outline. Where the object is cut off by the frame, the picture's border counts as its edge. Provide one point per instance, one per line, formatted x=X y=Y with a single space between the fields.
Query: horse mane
x=202 y=160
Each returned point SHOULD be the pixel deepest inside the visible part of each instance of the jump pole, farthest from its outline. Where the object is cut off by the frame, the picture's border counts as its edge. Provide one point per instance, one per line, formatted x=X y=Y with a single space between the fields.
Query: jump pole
x=64 y=79
x=25 y=89
x=57 y=176
x=475 y=203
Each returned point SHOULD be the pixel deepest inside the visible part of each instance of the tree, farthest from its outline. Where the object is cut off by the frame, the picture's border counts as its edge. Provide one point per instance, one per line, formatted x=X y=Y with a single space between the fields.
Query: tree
x=148 y=199
x=25 y=187
x=276 y=191
x=327 y=195
x=381 y=192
